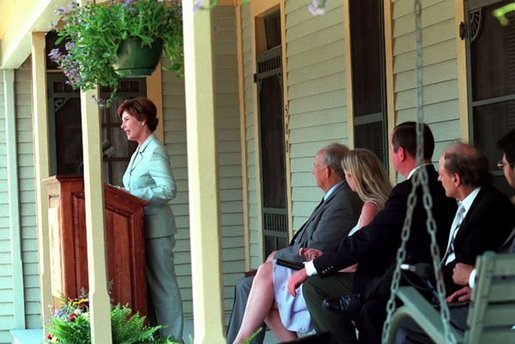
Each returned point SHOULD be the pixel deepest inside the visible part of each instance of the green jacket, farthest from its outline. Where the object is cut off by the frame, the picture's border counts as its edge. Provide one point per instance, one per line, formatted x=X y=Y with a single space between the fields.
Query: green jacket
x=149 y=177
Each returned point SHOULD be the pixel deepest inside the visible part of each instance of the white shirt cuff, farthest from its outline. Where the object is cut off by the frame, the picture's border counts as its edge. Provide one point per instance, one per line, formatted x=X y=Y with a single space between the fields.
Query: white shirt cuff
x=472 y=278
x=310 y=268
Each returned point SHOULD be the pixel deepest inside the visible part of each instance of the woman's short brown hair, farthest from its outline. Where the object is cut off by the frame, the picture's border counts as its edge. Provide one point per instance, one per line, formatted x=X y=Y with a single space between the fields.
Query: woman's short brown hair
x=142 y=108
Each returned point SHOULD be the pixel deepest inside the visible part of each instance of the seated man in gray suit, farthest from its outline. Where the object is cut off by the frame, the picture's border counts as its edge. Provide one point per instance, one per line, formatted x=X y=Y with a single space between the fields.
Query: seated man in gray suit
x=329 y=223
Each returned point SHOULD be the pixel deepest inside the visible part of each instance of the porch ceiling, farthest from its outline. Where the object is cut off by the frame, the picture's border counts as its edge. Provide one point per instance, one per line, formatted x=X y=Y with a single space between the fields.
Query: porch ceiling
x=18 y=18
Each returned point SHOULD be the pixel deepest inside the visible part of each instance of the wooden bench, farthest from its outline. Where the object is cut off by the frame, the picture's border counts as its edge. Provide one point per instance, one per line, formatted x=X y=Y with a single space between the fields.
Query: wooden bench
x=491 y=317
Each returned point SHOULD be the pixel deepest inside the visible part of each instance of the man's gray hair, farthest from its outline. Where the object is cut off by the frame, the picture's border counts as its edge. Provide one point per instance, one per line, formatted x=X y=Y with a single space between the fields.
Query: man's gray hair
x=333 y=156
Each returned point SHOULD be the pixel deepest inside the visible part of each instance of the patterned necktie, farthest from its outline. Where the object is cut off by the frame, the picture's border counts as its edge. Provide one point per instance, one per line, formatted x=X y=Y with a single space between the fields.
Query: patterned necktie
x=449 y=254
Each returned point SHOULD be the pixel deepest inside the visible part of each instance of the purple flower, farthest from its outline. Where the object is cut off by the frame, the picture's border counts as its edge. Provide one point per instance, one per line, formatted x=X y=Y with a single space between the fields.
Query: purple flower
x=61 y=10
x=67 y=9
x=197 y=5
x=69 y=66
x=69 y=46
x=60 y=313
x=318 y=7
x=55 y=54
x=102 y=102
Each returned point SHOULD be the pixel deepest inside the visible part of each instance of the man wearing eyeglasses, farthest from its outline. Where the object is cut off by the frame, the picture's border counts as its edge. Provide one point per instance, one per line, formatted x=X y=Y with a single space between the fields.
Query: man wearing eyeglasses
x=507 y=162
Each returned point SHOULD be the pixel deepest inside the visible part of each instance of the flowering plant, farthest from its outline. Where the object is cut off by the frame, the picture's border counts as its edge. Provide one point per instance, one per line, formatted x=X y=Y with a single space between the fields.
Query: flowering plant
x=70 y=324
x=94 y=32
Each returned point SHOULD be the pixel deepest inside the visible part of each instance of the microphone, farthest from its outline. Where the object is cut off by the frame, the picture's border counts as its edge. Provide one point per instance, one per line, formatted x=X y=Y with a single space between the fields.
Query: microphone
x=422 y=270
x=80 y=169
x=107 y=150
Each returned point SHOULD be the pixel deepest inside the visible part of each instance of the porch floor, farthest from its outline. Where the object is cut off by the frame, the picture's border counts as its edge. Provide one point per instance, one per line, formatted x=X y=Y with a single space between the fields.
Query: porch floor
x=35 y=336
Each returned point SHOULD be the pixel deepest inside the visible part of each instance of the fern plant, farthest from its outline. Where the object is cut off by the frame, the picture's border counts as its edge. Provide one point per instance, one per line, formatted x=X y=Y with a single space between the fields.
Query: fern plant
x=70 y=324
x=128 y=328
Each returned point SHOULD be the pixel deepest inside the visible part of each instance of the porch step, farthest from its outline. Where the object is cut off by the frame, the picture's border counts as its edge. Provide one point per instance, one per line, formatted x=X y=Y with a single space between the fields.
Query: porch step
x=32 y=336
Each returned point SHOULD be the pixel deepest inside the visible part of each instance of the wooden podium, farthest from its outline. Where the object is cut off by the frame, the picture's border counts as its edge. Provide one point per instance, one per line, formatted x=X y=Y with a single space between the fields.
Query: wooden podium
x=125 y=243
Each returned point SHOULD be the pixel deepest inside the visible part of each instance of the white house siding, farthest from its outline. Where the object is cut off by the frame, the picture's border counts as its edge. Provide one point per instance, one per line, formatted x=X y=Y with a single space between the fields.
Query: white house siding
x=316 y=92
x=440 y=74
x=229 y=159
x=6 y=280
x=27 y=192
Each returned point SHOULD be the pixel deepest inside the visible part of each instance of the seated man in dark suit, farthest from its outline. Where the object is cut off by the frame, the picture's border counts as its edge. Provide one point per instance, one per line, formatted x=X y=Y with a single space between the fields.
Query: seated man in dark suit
x=488 y=209
x=465 y=176
x=374 y=246
x=464 y=273
x=329 y=223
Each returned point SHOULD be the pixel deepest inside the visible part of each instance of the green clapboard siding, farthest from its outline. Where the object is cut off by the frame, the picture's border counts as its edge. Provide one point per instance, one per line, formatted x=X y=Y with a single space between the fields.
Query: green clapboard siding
x=27 y=194
x=6 y=283
x=440 y=84
x=316 y=96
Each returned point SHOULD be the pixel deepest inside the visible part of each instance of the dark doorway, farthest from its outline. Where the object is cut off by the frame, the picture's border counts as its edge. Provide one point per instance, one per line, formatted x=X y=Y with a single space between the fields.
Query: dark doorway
x=272 y=137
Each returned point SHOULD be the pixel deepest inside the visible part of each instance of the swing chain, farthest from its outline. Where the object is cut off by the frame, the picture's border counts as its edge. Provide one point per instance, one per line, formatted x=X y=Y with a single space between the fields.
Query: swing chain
x=420 y=178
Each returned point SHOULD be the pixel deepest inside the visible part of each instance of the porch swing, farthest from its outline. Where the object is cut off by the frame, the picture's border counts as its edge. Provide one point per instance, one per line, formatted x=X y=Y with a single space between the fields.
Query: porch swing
x=491 y=315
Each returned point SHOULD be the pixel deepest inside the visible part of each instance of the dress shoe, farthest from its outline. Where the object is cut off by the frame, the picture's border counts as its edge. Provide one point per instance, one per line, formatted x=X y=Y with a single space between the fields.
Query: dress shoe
x=346 y=305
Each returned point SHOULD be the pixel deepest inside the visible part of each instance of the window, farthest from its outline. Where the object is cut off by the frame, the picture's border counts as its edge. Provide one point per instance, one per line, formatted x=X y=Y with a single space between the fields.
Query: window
x=491 y=79
x=368 y=76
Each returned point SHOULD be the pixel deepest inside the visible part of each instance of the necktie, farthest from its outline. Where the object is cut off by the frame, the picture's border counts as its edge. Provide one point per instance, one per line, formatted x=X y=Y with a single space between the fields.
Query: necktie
x=509 y=244
x=449 y=254
x=319 y=204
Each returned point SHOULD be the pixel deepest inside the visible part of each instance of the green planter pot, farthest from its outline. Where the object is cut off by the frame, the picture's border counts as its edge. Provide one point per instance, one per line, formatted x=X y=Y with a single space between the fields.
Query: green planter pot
x=135 y=60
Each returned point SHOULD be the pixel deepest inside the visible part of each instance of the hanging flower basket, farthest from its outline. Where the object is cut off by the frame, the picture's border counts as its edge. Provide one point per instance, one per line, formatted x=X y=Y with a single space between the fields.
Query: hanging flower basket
x=136 y=59
x=97 y=33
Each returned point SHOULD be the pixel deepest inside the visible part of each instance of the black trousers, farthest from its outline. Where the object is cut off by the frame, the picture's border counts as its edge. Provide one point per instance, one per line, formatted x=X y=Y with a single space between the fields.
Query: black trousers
x=374 y=298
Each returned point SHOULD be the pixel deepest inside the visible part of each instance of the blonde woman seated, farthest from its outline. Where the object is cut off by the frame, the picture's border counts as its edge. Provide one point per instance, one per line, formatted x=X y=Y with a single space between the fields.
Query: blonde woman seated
x=269 y=299
x=366 y=175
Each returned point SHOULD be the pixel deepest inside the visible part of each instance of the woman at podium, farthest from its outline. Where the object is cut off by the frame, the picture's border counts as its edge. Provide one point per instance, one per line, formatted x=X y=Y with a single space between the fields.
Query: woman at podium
x=149 y=177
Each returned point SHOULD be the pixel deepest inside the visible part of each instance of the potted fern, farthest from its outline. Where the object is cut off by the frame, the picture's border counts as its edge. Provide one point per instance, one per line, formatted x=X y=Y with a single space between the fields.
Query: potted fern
x=101 y=38
x=70 y=323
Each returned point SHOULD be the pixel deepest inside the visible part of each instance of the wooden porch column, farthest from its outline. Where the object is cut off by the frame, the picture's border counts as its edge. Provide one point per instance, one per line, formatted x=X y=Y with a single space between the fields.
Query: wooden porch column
x=14 y=200
x=100 y=307
x=40 y=128
x=202 y=177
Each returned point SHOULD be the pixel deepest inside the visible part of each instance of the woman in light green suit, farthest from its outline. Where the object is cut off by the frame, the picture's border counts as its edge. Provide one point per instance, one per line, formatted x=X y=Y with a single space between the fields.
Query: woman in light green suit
x=149 y=176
